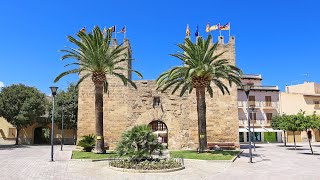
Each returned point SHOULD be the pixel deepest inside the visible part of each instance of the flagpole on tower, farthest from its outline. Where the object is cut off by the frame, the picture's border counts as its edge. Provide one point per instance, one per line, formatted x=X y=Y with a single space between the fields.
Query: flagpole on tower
x=219 y=29
x=125 y=32
x=229 y=28
x=115 y=32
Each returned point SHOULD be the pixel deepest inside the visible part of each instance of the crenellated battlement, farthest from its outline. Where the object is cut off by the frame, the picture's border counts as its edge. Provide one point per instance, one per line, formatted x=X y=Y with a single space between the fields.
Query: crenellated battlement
x=220 y=40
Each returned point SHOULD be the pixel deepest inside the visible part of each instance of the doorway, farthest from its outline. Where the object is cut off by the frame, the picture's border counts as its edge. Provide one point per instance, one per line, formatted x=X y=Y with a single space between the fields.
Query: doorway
x=161 y=131
x=41 y=135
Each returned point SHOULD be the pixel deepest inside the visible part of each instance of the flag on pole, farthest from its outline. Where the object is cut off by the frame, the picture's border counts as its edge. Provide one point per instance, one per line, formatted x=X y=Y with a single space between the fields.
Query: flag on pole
x=197 y=31
x=83 y=29
x=104 y=31
x=112 y=28
x=225 y=27
x=208 y=27
x=123 y=30
x=187 y=30
x=214 y=27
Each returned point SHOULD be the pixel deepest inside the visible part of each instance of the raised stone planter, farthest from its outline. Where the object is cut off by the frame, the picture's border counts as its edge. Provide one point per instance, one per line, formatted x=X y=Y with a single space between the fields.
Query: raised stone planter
x=146 y=171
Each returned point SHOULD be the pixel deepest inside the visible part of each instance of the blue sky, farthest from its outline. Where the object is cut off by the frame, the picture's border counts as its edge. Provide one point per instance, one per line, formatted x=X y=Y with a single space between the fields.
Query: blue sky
x=278 y=39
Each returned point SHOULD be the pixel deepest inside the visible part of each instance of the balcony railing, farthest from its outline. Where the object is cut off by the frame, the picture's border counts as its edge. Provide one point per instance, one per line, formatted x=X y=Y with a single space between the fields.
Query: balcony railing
x=244 y=122
x=255 y=87
x=259 y=104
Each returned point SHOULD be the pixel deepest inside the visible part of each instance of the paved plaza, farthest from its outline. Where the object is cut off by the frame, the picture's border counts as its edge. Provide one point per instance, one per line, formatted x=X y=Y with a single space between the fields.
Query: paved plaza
x=271 y=161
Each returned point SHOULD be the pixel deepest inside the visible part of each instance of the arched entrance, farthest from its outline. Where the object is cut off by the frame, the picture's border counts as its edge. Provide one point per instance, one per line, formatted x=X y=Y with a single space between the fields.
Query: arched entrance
x=41 y=135
x=161 y=131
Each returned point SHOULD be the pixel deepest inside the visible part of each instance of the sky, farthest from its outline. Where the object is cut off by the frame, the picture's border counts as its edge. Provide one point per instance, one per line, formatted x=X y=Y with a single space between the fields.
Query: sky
x=278 y=39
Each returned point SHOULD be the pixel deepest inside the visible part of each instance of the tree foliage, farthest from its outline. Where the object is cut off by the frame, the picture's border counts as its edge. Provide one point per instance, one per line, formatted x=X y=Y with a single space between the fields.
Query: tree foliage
x=95 y=59
x=200 y=61
x=66 y=103
x=202 y=67
x=22 y=105
x=138 y=143
x=297 y=122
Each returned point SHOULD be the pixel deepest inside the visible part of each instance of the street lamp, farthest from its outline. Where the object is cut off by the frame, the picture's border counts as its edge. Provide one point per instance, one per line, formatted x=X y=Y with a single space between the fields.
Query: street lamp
x=253 y=110
x=62 y=127
x=53 y=92
x=246 y=89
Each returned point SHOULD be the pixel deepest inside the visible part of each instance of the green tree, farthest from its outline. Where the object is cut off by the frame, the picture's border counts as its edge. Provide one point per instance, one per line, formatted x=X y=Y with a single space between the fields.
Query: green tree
x=95 y=58
x=66 y=103
x=138 y=143
x=293 y=123
x=278 y=122
x=21 y=106
x=308 y=123
x=202 y=66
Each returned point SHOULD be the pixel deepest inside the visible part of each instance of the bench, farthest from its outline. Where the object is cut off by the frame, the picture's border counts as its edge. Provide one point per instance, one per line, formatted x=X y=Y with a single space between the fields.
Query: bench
x=222 y=145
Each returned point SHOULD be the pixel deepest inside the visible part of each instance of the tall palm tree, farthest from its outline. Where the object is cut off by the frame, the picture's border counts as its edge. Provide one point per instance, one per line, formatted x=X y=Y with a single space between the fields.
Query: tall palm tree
x=202 y=66
x=96 y=58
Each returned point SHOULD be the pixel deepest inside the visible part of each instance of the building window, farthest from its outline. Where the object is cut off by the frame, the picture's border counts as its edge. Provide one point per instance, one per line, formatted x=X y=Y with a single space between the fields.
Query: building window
x=12 y=133
x=268 y=101
x=241 y=137
x=156 y=101
x=269 y=116
x=316 y=104
x=252 y=101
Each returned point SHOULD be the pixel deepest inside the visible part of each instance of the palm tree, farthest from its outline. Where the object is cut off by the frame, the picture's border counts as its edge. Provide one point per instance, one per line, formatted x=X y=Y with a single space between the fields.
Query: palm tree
x=201 y=67
x=96 y=58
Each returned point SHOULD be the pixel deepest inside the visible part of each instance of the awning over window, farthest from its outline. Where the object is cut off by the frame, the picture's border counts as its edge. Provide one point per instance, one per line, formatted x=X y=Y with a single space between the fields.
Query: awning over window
x=259 y=130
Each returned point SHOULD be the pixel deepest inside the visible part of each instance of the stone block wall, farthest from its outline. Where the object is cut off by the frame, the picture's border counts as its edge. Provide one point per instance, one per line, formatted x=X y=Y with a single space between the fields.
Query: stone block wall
x=125 y=107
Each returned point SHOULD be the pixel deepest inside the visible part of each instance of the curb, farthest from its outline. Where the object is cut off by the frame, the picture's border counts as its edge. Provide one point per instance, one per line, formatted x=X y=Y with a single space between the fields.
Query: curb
x=219 y=161
x=146 y=171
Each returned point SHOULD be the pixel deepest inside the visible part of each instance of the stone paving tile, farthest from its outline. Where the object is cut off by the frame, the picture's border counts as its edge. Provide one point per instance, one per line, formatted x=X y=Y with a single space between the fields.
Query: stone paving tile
x=270 y=162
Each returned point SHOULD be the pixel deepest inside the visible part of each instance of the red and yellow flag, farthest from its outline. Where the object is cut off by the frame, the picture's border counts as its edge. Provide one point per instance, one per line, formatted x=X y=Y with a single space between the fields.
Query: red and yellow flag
x=187 y=30
x=225 y=27
x=208 y=27
x=83 y=29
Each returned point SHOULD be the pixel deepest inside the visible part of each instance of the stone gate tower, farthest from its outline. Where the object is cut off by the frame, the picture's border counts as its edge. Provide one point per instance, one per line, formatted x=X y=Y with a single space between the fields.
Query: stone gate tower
x=173 y=118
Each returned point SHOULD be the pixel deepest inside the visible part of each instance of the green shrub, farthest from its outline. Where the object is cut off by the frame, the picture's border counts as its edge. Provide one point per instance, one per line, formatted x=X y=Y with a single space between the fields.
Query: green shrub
x=87 y=142
x=139 y=143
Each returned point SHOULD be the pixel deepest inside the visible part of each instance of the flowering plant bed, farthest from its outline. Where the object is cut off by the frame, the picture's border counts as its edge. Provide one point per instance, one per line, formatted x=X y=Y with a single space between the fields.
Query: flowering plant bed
x=147 y=164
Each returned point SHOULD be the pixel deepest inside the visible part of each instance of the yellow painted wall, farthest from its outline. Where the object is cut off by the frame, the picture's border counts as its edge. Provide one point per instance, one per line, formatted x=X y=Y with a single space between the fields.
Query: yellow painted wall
x=5 y=137
x=290 y=136
x=27 y=134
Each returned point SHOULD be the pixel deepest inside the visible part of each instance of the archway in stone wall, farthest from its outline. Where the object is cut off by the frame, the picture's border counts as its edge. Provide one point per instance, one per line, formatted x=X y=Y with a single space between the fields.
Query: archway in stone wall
x=41 y=135
x=161 y=131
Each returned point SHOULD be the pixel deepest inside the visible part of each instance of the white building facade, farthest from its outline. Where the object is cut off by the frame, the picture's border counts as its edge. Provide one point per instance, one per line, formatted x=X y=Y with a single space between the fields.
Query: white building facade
x=263 y=103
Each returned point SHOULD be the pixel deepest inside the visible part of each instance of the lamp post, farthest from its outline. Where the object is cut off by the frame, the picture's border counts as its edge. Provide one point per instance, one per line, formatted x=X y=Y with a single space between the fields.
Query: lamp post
x=253 y=110
x=53 y=92
x=246 y=89
x=62 y=127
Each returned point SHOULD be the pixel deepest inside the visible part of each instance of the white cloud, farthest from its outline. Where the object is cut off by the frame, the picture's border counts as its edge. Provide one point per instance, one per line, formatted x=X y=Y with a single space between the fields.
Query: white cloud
x=1 y=84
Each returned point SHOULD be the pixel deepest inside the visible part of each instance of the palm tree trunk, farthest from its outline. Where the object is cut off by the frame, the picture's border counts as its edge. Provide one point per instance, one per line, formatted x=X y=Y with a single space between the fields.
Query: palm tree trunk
x=294 y=140
x=99 y=117
x=17 y=138
x=201 y=109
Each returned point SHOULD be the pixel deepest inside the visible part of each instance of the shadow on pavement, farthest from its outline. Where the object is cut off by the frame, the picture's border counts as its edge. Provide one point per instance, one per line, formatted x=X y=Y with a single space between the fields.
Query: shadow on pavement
x=246 y=146
x=10 y=147
x=248 y=155
x=298 y=149
x=314 y=154
x=288 y=146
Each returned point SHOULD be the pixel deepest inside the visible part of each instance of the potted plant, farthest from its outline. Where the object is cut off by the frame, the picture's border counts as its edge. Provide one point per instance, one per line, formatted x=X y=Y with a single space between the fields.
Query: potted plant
x=87 y=142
